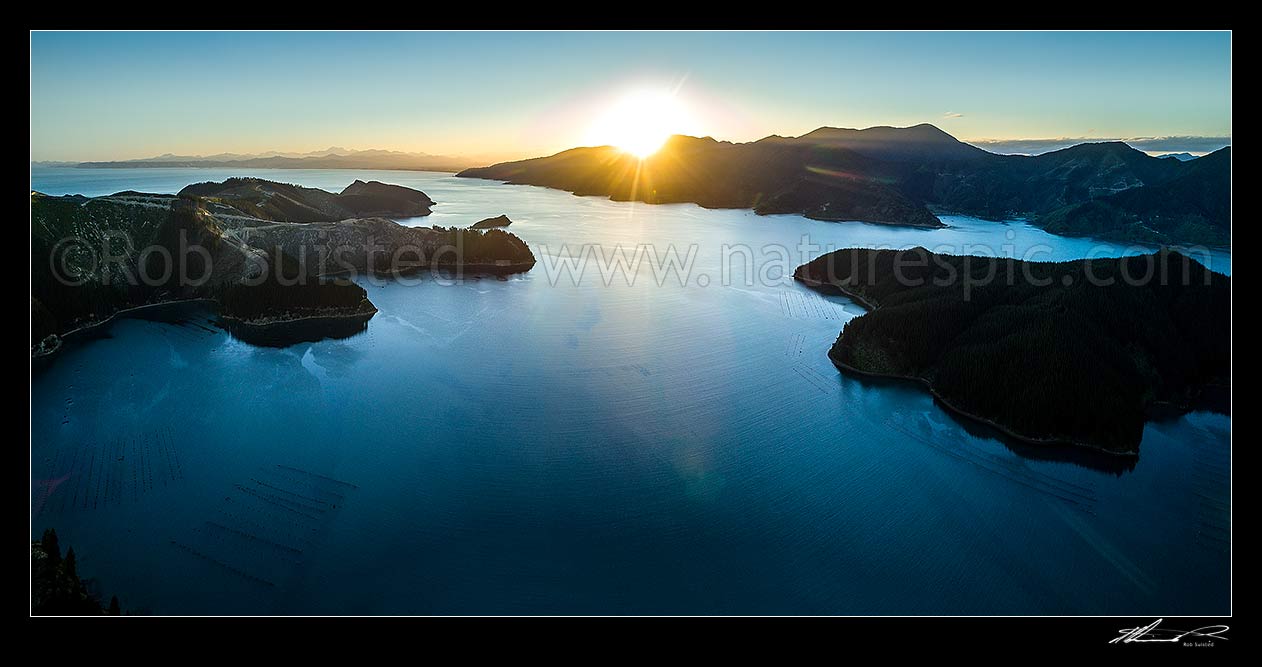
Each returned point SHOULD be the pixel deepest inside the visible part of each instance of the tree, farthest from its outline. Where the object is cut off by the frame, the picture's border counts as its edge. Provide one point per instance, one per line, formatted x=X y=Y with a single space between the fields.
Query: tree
x=70 y=564
x=51 y=547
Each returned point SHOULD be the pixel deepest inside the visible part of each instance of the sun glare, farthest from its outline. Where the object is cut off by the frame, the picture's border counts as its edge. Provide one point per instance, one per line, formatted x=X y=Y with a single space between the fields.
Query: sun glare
x=640 y=122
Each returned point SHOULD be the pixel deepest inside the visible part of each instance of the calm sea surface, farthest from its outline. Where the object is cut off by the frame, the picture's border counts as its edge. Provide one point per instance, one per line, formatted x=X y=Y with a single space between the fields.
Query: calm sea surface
x=582 y=440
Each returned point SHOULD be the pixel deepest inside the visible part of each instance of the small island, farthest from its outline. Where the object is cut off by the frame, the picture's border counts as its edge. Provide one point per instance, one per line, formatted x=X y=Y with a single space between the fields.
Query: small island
x=274 y=259
x=492 y=223
x=1080 y=352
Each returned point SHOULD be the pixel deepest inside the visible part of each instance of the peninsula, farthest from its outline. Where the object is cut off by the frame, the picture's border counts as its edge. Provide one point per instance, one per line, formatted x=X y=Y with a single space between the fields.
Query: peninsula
x=274 y=257
x=1080 y=352
x=907 y=176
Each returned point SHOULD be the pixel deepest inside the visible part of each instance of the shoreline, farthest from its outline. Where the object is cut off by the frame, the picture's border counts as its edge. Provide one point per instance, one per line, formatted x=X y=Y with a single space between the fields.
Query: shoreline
x=335 y=317
x=751 y=209
x=1030 y=219
x=134 y=309
x=487 y=268
x=41 y=354
x=474 y=269
x=310 y=327
x=97 y=324
x=884 y=223
x=46 y=356
x=1027 y=439
x=853 y=296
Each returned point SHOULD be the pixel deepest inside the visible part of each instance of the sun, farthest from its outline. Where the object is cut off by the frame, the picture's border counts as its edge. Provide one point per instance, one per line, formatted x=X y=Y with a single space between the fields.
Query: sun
x=640 y=122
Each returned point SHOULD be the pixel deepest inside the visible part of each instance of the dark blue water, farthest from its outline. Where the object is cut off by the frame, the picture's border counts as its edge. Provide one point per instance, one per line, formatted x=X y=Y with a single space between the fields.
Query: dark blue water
x=553 y=445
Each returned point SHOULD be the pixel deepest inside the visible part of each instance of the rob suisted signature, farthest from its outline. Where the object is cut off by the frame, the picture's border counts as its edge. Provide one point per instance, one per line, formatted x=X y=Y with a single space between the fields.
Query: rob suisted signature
x=1155 y=634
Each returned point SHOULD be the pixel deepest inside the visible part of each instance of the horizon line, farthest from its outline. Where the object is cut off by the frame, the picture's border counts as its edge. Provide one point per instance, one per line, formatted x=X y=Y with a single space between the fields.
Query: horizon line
x=1160 y=145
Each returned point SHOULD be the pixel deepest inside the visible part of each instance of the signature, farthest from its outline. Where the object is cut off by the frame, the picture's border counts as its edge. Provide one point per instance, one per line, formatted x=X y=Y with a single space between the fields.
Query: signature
x=1153 y=633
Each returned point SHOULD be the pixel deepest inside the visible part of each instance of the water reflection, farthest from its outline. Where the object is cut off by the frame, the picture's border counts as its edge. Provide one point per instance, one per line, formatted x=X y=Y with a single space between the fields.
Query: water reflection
x=523 y=446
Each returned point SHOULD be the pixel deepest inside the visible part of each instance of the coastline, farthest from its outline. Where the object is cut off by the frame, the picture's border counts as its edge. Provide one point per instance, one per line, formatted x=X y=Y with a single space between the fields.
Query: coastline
x=1031 y=219
x=755 y=211
x=357 y=317
x=311 y=326
x=97 y=324
x=1027 y=439
x=853 y=296
x=913 y=225
x=357 y=314
x=487 y=268
x=135 y=309
x=475 y=269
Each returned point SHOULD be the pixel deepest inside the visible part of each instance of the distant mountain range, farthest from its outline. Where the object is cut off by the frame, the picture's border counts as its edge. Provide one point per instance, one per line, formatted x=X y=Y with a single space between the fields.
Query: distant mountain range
x=1155 y=146
x=332 y=158
x=906 y=176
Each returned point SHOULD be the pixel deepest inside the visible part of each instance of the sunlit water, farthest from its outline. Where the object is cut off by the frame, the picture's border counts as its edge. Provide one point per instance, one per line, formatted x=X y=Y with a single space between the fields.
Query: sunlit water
x=591 y=446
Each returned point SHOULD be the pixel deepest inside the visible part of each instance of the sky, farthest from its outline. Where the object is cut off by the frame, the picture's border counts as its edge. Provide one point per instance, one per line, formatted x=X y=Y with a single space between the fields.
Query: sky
x=504 y=95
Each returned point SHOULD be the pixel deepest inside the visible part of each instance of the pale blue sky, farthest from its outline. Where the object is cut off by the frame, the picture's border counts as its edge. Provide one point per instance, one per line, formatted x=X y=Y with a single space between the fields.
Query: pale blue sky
x=101 y=95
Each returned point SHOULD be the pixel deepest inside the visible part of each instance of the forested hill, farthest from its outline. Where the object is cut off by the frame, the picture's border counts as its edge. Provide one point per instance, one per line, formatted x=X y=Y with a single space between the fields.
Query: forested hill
x=1194 y=205
x=1067 y=352
x=225 y=241
x=282 y=202
x=901 y=176
x=783 y=176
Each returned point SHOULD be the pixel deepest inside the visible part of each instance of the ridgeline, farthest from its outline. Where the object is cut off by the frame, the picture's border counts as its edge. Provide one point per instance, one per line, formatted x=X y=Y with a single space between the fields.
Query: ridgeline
x=905 y=176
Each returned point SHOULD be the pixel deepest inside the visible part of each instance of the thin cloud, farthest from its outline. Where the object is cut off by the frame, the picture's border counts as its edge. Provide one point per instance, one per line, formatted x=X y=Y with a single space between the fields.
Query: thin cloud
x=952 y=114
